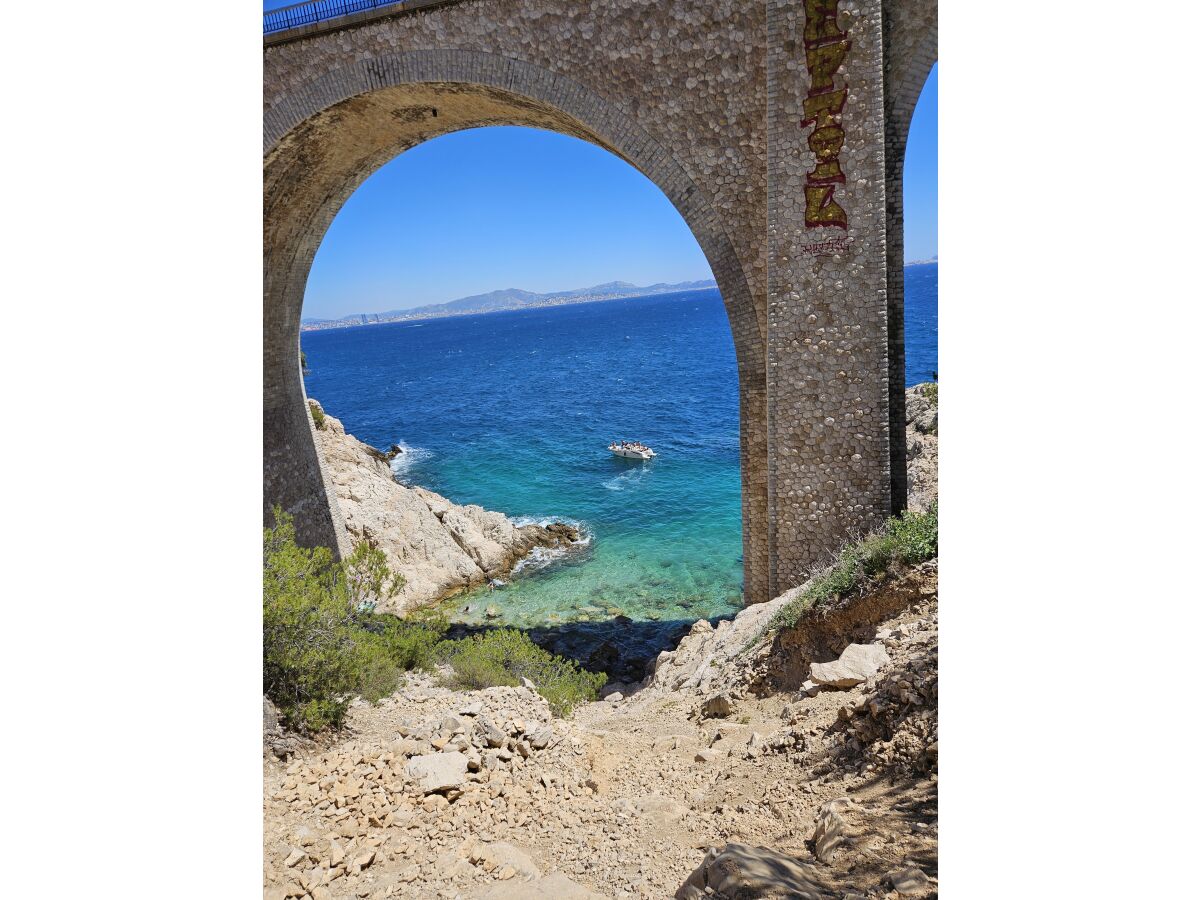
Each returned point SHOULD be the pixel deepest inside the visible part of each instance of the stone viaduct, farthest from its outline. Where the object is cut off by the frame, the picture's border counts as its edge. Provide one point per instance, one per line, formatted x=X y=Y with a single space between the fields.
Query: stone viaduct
x=776 y=127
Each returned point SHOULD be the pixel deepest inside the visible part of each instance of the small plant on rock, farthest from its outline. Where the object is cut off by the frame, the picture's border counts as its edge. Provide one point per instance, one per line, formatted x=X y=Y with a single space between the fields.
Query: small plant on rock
x=318 y=415
x=912 y=538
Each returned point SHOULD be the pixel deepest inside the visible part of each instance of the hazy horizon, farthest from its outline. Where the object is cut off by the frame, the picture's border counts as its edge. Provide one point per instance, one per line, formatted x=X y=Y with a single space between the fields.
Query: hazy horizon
x=502 y=207
x=510 y=288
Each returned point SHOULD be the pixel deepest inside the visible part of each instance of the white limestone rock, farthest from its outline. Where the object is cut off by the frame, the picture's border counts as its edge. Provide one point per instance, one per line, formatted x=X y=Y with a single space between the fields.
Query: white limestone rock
x=437 y=771
x=717 y=707
x=857 y=663
x=438 y=546
x=743 y=871
x=555 y=886
x=908 y=881
x=497 y=855
x=830 y=830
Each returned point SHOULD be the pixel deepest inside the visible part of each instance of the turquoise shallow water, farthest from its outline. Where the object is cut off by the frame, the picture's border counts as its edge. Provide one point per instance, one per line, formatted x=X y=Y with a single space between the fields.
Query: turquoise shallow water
x=514 y=411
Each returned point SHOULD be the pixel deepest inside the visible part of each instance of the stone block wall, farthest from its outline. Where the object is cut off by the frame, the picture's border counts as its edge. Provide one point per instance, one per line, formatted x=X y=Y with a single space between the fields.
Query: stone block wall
x=827 y=354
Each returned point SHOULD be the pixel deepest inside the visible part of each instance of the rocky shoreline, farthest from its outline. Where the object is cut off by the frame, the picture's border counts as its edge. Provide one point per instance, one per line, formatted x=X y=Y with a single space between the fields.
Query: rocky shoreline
x=440 y=547
x=444 y=549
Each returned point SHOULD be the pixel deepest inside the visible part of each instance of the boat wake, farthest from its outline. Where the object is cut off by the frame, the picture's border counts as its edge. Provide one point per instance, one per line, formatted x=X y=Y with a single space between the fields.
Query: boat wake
x=627 y=480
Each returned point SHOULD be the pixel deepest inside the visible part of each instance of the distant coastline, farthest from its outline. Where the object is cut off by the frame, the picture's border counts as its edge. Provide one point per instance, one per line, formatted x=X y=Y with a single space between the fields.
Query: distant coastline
x=506 y=300
x=921 y=262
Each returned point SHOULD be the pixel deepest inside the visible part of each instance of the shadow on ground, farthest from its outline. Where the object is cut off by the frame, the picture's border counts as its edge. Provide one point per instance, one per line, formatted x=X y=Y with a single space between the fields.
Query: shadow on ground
x=621 y=647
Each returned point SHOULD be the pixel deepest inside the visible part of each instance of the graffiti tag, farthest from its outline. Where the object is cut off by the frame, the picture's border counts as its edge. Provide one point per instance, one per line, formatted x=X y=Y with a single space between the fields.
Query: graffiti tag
x=827 y=248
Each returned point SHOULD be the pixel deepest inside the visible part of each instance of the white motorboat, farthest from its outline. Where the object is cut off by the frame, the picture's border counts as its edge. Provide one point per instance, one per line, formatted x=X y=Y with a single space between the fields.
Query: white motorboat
x=631 y=450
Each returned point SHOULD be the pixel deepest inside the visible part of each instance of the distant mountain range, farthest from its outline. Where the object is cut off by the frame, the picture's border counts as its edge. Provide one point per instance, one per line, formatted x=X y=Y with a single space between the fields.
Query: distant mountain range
x=922 y=262
x=509 y=298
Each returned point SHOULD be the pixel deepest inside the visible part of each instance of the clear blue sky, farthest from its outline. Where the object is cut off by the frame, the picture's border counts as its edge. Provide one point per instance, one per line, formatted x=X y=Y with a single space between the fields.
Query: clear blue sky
x=492 y=208
x=921 y=176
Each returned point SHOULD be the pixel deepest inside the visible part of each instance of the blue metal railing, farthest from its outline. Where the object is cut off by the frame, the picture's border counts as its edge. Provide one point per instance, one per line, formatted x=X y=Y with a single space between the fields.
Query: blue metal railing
x=318 y=11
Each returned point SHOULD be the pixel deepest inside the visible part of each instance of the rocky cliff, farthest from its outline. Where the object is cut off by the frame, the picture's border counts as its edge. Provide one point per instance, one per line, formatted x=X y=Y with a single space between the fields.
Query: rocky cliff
x=921 y=431
x=438 y=546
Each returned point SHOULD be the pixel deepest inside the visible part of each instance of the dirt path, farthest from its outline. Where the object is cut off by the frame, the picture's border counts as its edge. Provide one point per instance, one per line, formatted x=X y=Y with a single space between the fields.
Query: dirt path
x=623 y=799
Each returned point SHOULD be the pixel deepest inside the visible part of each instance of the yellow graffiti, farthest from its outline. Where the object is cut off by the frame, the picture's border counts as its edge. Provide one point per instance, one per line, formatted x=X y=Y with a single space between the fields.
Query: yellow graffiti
x=820 y=21
x=825 y=49
x=823 y=63
x=821 y=208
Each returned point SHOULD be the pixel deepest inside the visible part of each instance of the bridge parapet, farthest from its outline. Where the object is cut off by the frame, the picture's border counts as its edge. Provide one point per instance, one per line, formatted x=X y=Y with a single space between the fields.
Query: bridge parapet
x=300 y=20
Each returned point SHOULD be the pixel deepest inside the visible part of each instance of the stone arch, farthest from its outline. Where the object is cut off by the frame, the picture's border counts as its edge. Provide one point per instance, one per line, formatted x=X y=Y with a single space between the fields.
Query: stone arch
x=323 y=138
x=911 y=42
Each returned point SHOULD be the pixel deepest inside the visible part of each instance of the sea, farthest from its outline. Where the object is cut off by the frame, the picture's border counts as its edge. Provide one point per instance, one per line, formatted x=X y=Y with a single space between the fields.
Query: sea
x=514 y=411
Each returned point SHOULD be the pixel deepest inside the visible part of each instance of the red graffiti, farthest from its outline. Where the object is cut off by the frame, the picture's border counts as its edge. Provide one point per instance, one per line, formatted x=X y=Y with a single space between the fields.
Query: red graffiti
x=825 y=49
x=831 y=247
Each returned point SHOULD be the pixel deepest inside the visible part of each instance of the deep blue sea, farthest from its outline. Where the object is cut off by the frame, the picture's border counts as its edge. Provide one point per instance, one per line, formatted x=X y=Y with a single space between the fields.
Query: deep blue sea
x=514 y=411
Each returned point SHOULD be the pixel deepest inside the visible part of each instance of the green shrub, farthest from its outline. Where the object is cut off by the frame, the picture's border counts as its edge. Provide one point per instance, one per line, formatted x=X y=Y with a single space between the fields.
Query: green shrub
x=931 y=392
x=505 y=656
x=910 y=539
x=915 y=535
x=318 y=415
x=323 y=643
x=410 y=643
